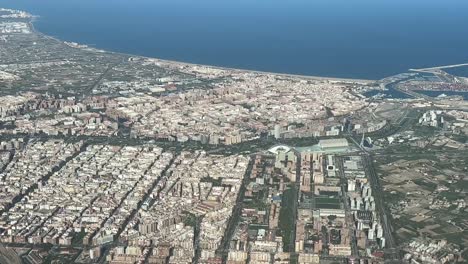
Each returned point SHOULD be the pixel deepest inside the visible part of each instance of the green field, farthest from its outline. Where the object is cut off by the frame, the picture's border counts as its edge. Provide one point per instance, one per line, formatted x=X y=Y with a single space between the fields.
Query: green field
x=286 y=219
x=326 y=202
x=430 y=186
x=452 y=196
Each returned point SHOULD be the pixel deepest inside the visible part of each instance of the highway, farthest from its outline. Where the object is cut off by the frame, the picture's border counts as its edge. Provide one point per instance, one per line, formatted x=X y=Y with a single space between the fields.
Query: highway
x=349 y=216
x=295 y=199
x=391 y=252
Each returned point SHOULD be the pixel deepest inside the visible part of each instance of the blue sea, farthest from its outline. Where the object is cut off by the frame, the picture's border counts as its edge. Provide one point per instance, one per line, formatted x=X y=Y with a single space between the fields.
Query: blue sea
x=368 y=39
x=458 y=71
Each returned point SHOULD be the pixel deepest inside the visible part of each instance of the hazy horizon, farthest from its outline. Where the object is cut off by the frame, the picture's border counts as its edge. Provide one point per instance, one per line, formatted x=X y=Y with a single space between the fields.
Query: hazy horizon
x=337 y=38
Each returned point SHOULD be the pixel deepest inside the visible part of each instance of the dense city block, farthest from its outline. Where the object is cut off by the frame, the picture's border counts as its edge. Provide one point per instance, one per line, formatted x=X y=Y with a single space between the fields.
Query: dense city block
x=113 y=158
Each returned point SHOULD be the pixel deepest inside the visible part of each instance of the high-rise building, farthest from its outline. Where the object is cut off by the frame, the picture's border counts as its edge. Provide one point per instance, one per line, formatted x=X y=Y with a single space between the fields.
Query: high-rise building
x=371 y=234
x=382 y=242
x=277 y=131
x=351 y=185
x=379 y=231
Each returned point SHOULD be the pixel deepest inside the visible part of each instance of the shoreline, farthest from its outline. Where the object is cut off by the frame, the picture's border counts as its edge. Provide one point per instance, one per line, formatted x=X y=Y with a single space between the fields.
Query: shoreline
x=311 y=77
x=182 y=63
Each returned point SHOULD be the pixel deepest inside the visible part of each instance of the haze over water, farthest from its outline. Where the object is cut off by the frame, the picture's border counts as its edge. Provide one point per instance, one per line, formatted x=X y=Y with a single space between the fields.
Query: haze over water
x=339 y=38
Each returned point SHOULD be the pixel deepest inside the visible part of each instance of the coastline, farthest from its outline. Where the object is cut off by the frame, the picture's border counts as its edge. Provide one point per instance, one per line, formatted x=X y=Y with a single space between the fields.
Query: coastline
x=182 y=63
